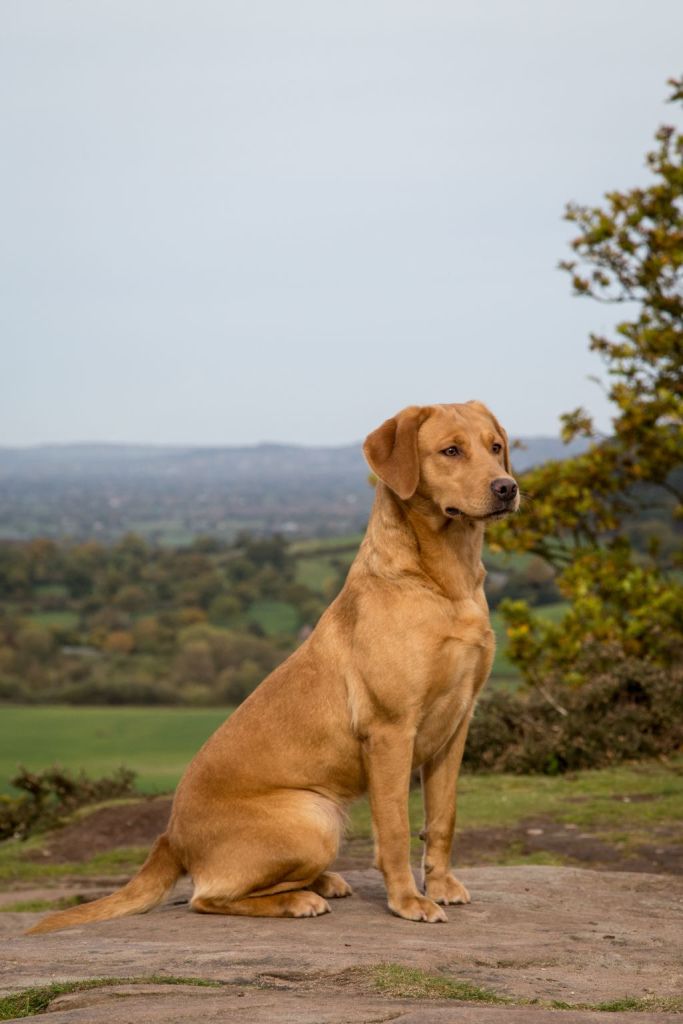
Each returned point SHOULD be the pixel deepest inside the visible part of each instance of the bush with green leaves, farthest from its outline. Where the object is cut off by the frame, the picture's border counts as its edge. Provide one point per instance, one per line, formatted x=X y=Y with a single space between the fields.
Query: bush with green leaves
x=631 y=710
x=49 y=796
x=629 y=252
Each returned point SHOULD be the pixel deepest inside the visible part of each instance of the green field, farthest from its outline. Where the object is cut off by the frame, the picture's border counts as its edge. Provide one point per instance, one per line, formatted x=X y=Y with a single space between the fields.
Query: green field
x=634 y=798
x=319 y=573
x=159 y=742
x=314 y=546
x=155 y=742
x=274 y=617
x=318 y=561
x=625 y=806
x=57 y=619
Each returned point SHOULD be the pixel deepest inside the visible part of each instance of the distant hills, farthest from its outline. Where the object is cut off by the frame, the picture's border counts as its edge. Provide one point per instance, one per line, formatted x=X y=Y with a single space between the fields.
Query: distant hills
x=77 y=461
x=80 y=461
x=173 y=494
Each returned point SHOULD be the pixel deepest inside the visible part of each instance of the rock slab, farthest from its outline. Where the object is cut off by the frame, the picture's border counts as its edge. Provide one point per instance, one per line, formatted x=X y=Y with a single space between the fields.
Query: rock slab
x=542 y=933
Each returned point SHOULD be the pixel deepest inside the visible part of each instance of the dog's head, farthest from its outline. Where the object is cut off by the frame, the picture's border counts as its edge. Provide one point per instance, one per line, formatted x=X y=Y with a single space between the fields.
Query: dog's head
x=457 y=456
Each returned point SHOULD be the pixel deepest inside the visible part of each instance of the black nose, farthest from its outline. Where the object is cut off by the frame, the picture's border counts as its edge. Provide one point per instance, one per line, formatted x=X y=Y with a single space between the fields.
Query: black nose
x=504 y=488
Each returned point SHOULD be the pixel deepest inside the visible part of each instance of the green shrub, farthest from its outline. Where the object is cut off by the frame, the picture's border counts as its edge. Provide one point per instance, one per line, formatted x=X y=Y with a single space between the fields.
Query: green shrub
x=630 y=711
x=49 y=795
x=99 y=691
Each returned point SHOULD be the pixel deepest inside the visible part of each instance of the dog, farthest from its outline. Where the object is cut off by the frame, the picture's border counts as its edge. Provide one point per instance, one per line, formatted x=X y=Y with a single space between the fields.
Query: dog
x=385 y=684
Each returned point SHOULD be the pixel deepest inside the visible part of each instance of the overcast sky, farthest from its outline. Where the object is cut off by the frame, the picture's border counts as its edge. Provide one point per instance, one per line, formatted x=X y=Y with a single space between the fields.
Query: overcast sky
x=226 y=222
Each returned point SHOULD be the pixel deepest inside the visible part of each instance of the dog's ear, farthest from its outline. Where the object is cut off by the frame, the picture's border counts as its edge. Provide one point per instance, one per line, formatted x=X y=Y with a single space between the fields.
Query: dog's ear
x=392 y=453
x=498 y=427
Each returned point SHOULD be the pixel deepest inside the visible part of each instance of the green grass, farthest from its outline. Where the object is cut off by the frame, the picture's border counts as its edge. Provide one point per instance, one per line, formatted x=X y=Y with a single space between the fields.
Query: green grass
x=155 y=742
x=514 y=854
x=167 y=532
x=658 y=1004
x=33 y=1001
x=315 y=546
x=56 y=619
x=159 y=742
x=317 y=573
x=36 y=906
x=392 y=980
x=51 y=590
x=16 y=867
x=274 y=617
x=401 y=982
x=321 y=572
x=412 y=983
x=317 y=561
x=590 y=799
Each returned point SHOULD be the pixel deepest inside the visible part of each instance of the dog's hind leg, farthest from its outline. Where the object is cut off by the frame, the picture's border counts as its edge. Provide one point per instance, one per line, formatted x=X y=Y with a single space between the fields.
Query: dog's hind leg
x=271 y=860
x=300 y=903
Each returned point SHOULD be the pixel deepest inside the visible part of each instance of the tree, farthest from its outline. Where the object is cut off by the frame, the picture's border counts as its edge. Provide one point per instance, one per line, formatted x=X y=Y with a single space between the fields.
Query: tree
x=628 y=251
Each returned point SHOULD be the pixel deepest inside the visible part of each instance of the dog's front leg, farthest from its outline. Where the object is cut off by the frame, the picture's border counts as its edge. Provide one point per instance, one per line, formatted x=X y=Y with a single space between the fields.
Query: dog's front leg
x=439 y=788
x=388 y=752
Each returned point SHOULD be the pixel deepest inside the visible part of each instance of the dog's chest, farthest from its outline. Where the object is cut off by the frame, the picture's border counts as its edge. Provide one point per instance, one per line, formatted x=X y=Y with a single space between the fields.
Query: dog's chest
x=441 y=718
x=458 y=672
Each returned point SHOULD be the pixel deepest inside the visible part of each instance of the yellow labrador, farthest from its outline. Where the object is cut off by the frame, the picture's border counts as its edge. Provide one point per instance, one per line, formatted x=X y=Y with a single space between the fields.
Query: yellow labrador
x=386 y=683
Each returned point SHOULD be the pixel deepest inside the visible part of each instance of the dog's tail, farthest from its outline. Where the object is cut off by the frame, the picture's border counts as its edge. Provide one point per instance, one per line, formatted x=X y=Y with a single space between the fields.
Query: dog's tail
x=156 y=876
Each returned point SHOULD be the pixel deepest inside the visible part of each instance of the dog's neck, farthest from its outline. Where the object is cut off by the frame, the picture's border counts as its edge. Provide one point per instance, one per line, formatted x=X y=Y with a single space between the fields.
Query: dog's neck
x=414 y=538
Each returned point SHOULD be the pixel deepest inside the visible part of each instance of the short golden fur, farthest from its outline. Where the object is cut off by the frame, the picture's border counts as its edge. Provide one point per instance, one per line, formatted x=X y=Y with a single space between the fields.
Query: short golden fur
x=385 y=684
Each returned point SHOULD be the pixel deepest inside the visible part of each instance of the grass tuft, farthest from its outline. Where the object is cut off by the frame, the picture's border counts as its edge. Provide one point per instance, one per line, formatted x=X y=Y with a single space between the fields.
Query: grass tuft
x=31 y=1001
x=659 y=1004
x=388 y=979
x=33 y=906
x=412 y=983
x=16 y=866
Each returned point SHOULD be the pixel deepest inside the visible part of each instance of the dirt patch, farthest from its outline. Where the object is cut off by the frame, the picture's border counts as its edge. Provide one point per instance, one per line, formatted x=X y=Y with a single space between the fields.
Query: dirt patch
x=109 y=828
x=139 y=824
x=589 y=849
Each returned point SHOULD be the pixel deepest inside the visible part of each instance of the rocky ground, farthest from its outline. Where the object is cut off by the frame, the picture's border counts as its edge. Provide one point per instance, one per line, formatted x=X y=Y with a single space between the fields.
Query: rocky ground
x=539 y=943
x=533 y=935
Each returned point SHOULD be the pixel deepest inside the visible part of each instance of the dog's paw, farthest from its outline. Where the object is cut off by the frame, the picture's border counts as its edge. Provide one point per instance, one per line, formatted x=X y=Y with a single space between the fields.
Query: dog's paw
x=304 y=903
x=417 y=908
x=447 y=890
x=331 y=885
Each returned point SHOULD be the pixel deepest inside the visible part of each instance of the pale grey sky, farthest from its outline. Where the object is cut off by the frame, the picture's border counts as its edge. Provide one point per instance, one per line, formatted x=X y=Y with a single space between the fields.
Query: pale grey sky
x=224 y=222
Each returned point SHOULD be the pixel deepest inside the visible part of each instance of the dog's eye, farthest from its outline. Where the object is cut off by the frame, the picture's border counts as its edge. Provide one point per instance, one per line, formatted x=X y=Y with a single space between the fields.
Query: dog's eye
x=453 y=450
x=496 y=448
